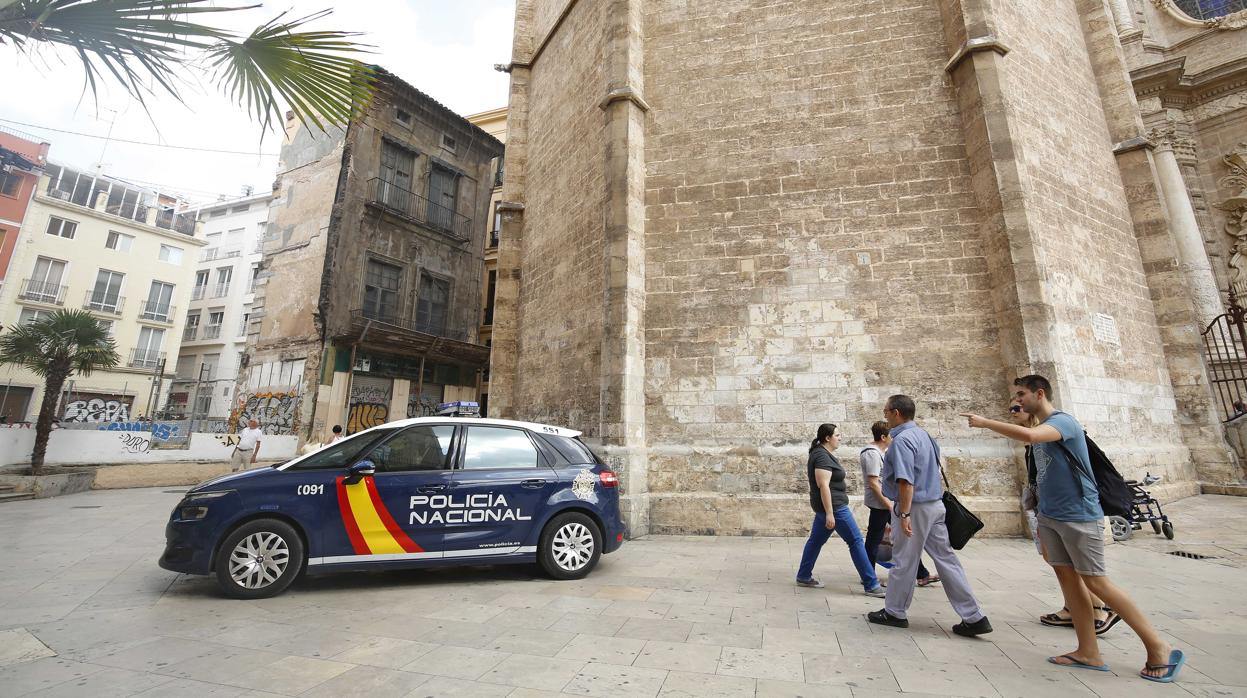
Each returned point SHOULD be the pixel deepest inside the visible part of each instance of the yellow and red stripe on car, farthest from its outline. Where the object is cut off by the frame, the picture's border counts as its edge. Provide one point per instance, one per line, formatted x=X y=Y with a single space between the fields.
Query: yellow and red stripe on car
x=369 y=525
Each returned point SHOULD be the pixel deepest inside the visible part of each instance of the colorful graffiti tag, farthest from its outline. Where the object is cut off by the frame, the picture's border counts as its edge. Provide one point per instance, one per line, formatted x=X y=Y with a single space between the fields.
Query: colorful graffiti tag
x=276 y=412
x=160 y=431
x=95 y=410
x=369 y=403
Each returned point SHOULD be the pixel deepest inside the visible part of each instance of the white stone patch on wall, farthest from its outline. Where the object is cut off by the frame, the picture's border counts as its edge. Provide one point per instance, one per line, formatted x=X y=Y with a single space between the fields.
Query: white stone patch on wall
x=1104 y=327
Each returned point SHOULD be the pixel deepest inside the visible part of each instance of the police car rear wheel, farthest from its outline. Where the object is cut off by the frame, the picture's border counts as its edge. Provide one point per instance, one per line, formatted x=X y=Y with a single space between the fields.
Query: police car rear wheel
x=570 y=546
x=259 y=559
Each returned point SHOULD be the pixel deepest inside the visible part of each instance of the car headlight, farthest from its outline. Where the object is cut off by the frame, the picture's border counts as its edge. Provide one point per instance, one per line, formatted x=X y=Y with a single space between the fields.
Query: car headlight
x=195 y=506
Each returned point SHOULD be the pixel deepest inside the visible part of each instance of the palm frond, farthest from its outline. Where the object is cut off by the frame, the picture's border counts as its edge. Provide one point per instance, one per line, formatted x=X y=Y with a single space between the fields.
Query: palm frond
x=309 y=70
x=67 y=340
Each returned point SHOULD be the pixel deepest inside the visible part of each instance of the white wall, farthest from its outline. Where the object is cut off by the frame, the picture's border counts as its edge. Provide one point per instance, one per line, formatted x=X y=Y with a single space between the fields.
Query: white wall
x=86 y=447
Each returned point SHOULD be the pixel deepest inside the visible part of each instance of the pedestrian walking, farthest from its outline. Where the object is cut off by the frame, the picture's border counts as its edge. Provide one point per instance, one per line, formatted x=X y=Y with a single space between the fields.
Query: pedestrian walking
x=1105 y=617
x=248 y=447
x=1071 y=530
x=871 y=460
x=911 y=479
x=830 y=501
x=337 y=434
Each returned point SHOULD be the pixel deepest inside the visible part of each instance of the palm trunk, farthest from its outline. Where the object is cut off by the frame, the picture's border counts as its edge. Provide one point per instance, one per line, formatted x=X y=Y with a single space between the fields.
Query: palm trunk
x=47 y=410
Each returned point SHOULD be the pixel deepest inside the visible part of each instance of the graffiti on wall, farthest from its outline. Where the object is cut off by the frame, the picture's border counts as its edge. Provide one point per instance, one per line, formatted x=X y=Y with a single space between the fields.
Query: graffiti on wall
x=369 y=403
x=95 y=410
x=135 y=443
x=275 y=411
x=160 y=431
x=228 y=439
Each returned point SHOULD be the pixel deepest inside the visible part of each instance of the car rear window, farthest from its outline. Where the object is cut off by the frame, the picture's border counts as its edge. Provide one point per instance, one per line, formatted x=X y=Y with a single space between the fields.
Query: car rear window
x=572 y=449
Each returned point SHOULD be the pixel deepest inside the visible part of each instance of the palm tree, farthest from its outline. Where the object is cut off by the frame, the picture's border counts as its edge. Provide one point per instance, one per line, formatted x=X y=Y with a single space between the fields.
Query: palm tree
x=147 y=44
x=64 y=343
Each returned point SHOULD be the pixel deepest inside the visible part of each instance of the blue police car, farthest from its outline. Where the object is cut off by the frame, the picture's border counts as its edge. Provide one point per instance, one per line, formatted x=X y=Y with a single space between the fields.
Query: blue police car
x=413 y=493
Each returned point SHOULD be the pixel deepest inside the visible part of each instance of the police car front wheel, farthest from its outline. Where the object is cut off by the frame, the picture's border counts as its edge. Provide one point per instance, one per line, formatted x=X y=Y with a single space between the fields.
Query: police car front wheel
x=259 y=559
x=570 y=546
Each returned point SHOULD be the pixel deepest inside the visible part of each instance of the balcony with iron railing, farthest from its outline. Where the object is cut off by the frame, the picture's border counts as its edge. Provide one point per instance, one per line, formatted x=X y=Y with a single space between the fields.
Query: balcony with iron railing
x=157 y=312
x=218 y=253
x=488 y=318
x=493 y=238
x=220 y=290
x=144 y=358
x=198 y=293
x=103 y=302
x=190 y=333
x=122 y=205
x=42 y=292
x=414 y=207
x=393 y=320
x=212 y=332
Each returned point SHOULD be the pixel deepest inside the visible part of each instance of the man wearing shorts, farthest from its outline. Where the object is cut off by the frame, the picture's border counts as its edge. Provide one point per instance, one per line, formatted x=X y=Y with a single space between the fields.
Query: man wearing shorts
x=1071 y=529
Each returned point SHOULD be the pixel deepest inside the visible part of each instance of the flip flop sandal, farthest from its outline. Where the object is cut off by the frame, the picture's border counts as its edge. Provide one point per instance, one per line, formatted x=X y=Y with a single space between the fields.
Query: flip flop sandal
x=1176 y=659
x=933 y=579
x=1057 y=621
x=1076 y=664
x=1103 y=626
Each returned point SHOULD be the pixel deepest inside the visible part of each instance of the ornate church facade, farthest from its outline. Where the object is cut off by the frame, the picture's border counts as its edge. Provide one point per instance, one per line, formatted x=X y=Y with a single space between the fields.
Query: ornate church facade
x=726 y=222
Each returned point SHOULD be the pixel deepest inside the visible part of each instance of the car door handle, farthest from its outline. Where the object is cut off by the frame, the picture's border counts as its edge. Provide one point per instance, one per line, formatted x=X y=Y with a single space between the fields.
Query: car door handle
x=427 y=489
x=533 y=484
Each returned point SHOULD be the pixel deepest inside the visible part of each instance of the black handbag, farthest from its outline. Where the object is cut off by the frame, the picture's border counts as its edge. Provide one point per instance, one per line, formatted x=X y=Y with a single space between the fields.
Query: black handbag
x=961 y=522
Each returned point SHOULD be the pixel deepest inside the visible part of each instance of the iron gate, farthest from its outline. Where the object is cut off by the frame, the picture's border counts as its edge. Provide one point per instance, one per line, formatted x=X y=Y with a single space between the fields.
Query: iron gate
x=1225 y=346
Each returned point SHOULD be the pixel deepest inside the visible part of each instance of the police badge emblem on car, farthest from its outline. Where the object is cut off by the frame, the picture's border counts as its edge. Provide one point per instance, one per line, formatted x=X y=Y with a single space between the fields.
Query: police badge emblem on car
x=585 y=485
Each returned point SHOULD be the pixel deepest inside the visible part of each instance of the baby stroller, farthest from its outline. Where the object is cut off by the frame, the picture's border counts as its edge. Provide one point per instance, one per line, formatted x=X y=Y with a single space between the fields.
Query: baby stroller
x=1143 y=509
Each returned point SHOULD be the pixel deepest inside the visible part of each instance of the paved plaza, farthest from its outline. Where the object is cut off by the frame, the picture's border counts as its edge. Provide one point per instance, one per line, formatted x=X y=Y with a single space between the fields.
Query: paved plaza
x=85 y=611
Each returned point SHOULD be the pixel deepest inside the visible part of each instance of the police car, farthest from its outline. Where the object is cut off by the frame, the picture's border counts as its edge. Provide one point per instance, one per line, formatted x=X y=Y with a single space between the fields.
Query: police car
x=419 y=492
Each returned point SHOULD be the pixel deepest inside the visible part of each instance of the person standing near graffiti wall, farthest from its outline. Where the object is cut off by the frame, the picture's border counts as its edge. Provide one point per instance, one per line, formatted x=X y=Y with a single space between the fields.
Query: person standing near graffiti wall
x=247 y=448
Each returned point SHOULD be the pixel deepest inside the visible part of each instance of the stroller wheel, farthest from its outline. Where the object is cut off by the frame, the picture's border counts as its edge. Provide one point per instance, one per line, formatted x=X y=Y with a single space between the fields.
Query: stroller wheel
x=1155 y=526
x=1122 y=530
x=1168 y=529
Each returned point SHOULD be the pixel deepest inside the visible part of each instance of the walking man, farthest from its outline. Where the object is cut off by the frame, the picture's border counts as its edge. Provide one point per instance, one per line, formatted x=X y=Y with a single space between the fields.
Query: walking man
x=248 y=447
x=911 y=479
x=871 y=460
x=1071 y=530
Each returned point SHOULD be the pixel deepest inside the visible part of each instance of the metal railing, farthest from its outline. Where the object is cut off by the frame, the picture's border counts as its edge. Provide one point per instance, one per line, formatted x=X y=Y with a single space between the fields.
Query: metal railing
x=488 y=315
x=220 y=290
x=218 y=253
x=103 y=302
x=212 y=331
x=410 y=205
x=198 y=292
x=361 y=315
x=493 y=237
x=160 y=312
x=181 y=223
x=42 y=292
x=189 y=333
x=144 y=358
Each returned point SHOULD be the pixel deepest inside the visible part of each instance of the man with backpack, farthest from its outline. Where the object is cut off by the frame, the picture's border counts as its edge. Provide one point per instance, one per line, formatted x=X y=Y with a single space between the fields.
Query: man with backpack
x=1071 y=529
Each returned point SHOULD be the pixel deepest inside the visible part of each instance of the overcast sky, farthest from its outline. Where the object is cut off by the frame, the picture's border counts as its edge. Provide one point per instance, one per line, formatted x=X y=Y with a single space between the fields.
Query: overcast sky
x=445 y=49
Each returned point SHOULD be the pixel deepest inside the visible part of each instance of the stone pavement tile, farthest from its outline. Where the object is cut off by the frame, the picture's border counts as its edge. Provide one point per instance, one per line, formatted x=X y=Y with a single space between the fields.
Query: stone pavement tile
x=1208 y=690
x=682 y=684
x=724 y=598
x=612 y=681
x=210 y=664
x=289 y=639
x=532 y=693
x=807 y=600
x=761 y=664
x=581 y=588
x=153 y=655
x=963 y=651
x=898 y=644
x=522 y=599
x=541 y=643
x=589 y=623
x=770 y=688
x=941 y=679
x=527 y=618
x=579 y=604
x=647 y=629
x=463 y=612
x=699 y=614
x=21 y=616
x=445 y=687
x=20 y=679
x=625 y=593
x=180 y=688
x=289 y=675
x=457 y=662
x=677 y=596
x=108 y=683
x=388 y=652
x=537 y=673
x=603 y=650
x=368 y=682
x=852 y=672
x=474 y=635
x=1041 y=683
x=768 y=617
x=1127 y=684
x=798 y=640
x=739 y=635
x=1222 y=669
x=637 y=609
x=679 y=656
x=18 y=645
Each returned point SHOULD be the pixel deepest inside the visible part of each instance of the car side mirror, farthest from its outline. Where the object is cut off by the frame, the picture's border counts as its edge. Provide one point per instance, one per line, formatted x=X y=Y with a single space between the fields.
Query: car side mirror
x=358 y=471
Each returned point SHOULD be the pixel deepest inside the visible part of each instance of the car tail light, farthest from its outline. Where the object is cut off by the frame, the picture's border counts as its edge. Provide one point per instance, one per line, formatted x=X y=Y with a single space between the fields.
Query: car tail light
x=609 y=478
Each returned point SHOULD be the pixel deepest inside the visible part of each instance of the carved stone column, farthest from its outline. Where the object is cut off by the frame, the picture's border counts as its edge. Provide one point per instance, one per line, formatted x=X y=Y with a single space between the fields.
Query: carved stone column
x=1235 y=208
x=1183 y=225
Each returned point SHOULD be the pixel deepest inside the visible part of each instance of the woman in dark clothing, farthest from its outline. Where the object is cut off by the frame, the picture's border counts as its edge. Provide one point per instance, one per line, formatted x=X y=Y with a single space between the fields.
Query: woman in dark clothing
x=827 y=492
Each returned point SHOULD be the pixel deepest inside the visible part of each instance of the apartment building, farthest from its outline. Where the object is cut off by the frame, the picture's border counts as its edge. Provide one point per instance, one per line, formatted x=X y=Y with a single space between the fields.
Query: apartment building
x=215 y=334
x=22 y=158
x=493 y=122
x=120 y=251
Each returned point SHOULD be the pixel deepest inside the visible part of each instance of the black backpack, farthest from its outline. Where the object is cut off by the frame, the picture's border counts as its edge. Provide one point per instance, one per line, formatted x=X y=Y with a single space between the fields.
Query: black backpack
x=1115 y=496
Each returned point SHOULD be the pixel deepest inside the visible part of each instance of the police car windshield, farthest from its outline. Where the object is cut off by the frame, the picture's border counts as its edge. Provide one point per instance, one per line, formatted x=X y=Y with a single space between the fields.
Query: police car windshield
x=344 y=453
